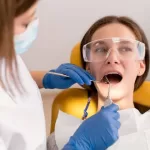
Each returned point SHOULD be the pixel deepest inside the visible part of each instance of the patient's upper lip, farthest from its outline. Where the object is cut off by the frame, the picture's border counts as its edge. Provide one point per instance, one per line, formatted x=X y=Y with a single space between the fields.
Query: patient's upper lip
x=112 y=72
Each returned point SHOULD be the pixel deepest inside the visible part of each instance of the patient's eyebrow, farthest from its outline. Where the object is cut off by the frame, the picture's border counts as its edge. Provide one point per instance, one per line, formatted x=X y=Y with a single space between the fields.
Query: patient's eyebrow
x=125 y=42
x=99 y=42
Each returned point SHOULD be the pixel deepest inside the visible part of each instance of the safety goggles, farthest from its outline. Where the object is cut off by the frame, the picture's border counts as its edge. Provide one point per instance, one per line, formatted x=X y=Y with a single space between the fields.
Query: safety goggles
x=99 y=50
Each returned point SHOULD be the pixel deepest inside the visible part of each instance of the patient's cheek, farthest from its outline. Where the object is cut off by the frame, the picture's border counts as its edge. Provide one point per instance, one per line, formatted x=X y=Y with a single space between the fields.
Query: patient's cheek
x=102 y=91
x=96 y=70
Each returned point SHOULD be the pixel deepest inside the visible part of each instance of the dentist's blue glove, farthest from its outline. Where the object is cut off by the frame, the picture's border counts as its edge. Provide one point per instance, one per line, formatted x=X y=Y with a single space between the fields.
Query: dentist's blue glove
x=75 y=73
x=98 y=132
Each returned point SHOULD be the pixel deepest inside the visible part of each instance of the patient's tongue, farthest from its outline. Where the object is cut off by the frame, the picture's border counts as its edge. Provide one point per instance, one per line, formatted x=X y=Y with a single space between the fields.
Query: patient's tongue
x=113 y=78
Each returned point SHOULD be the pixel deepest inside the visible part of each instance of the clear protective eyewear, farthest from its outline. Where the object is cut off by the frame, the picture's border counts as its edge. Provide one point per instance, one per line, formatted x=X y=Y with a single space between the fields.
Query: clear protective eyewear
x=99 y=50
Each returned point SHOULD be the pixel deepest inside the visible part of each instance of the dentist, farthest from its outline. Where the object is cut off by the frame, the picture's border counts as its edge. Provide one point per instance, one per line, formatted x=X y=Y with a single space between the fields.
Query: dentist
x=22 y=123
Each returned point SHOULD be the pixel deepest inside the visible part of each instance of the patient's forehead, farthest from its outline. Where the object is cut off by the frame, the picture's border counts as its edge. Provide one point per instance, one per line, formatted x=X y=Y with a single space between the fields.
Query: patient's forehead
x=113 y=30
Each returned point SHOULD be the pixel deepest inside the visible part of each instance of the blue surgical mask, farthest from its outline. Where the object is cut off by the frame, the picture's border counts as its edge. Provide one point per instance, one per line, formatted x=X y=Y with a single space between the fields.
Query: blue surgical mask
x=24 y=40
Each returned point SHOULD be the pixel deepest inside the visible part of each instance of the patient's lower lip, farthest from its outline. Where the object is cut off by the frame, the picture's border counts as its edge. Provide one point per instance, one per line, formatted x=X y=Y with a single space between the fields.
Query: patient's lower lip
x=111 y=82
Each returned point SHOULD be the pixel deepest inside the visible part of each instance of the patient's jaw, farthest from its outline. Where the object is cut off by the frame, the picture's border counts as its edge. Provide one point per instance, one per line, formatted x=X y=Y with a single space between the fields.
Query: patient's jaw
x=122 y=74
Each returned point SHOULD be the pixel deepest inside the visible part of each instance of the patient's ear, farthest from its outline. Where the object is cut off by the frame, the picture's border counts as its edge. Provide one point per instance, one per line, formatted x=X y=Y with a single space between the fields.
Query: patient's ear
x=142 y=68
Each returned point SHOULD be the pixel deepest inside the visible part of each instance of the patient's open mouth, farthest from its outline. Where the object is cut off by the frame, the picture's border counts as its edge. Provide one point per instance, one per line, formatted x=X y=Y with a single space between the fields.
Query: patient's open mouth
x=113 y=78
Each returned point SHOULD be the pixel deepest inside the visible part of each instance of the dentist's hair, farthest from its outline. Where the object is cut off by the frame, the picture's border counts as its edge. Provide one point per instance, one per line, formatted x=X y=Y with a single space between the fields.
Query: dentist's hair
x=23 y=5
x=135 y=28
x=9 y=9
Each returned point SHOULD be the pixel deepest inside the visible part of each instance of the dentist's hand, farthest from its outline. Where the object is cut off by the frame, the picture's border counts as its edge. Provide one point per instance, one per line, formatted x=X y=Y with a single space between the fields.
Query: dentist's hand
x=98 y=132
x=75 y=73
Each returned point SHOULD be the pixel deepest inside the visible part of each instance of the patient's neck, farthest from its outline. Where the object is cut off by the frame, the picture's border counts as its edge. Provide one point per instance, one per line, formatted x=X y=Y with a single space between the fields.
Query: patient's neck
x=124 y=103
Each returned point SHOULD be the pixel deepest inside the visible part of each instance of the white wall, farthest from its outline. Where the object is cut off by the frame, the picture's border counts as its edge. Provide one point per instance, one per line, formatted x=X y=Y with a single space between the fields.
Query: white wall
x=63 y=23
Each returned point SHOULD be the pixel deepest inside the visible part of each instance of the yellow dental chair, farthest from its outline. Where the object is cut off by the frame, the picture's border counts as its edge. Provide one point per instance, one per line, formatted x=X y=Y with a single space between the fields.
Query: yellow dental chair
x=74 y=100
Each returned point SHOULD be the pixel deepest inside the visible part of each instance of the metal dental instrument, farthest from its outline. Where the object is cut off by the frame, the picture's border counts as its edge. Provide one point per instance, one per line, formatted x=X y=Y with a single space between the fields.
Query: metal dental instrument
x=85 y=113
x=63 y=75
x=58 y=74
x=108 y=100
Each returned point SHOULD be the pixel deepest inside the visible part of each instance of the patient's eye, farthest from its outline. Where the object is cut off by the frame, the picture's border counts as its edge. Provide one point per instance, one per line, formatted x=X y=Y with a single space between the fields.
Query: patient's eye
x=100 y=48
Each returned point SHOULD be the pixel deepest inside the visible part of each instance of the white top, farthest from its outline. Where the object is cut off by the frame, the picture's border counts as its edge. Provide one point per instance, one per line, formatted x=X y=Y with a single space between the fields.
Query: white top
x=134 y=133
x=22 y=123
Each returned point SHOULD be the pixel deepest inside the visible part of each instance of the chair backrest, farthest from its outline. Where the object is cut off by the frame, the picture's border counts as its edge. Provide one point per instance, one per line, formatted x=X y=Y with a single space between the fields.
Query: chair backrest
x=73 y=100
x=75 y=57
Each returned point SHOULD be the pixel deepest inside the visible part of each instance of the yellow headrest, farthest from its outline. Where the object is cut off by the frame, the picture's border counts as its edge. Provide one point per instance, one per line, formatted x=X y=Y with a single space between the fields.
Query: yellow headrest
x=73 y=102
x=141 y=96
x=75 y=57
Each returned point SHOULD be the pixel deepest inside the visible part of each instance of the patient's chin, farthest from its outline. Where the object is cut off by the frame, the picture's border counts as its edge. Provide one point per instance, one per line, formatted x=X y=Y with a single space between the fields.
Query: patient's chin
x=116 y=94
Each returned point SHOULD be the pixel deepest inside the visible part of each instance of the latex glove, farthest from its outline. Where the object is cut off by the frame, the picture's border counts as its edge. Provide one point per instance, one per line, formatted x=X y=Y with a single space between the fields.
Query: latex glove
x=98 y=132
x=76 y=74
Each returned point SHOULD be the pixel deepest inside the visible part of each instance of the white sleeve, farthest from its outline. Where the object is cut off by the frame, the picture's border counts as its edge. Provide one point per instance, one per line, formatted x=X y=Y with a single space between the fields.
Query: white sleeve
x=2 y=145
x=51 y=143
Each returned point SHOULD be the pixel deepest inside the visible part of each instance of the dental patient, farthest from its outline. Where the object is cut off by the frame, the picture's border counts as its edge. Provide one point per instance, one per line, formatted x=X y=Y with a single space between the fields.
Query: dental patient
x=116 y=48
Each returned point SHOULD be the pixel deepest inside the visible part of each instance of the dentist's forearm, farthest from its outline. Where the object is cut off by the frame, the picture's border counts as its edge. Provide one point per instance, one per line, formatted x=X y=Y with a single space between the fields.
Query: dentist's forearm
x=38 y=77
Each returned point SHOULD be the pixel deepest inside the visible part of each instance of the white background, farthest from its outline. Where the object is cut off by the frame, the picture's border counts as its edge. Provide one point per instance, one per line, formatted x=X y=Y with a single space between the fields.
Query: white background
x=64 y=22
